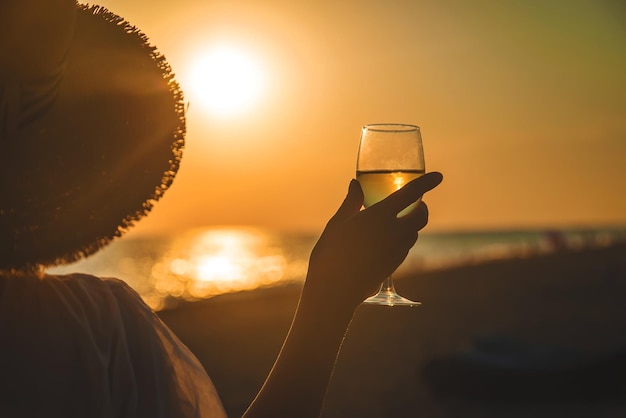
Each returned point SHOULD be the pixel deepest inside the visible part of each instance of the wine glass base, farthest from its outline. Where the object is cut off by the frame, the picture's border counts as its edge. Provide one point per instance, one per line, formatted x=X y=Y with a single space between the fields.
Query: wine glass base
x=387 y=298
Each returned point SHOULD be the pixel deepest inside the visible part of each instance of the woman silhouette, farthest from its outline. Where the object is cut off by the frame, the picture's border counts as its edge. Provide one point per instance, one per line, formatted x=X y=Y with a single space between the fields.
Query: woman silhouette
x=92 y=129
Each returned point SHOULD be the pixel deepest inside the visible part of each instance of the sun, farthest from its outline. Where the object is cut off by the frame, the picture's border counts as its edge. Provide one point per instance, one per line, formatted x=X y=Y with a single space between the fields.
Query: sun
x=225 y=80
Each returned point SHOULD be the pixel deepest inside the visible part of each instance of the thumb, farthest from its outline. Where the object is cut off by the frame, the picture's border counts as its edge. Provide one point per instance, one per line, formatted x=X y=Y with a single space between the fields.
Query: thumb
x=351 y=204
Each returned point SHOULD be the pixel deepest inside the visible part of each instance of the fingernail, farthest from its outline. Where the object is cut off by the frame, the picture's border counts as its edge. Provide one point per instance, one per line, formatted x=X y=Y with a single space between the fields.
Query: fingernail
x=435 y=176
x=350 y=186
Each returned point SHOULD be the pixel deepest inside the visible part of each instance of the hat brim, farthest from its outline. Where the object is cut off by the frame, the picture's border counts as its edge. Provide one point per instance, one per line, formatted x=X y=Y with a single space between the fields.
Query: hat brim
x=100 y=156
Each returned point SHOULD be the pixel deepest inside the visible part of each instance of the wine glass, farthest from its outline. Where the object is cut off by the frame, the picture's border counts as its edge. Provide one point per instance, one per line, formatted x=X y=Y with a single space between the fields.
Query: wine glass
x=390 y=155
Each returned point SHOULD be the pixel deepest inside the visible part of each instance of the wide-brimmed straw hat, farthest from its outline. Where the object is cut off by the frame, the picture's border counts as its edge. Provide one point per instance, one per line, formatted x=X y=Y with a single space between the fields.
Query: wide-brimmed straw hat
x=88 y=144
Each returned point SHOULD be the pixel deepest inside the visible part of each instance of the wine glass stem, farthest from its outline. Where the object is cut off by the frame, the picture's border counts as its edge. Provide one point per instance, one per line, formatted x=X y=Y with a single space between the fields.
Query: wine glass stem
x=387 y=286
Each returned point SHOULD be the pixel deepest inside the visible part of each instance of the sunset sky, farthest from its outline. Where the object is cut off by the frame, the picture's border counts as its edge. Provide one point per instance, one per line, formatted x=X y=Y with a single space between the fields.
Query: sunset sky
x=522 y=106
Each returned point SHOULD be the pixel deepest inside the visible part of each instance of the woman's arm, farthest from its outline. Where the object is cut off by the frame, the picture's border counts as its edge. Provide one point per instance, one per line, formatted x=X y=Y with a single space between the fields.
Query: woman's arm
x=356 y=252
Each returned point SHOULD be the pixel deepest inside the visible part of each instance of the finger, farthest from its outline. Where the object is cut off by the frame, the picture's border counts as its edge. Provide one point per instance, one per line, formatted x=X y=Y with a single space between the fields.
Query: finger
x=417 y=219
x=351 y=204
x=407 y=238
x=411 y=192
x=407 y=230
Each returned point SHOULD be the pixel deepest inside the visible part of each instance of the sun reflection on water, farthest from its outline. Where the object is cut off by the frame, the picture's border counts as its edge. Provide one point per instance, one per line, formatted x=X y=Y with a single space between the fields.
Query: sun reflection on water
x=206 y=262
x=215 y=261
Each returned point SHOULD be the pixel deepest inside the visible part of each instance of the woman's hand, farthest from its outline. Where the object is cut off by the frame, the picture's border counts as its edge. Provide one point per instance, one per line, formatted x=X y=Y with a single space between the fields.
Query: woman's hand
x=360 y=248
x=356 y=252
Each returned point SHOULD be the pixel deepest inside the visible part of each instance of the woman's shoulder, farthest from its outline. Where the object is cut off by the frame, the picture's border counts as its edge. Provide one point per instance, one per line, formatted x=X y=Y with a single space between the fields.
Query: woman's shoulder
x=96 y=337
x=72 y=303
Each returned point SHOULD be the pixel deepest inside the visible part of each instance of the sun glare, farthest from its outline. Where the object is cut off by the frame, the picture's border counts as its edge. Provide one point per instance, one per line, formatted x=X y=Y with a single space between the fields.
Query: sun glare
x=225 y=80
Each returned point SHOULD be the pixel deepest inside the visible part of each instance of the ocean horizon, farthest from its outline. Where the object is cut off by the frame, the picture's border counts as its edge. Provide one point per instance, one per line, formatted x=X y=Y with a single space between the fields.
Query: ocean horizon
x=205 y=262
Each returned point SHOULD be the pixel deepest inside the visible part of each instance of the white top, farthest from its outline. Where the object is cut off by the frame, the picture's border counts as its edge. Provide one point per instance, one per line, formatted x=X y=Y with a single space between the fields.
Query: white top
x=78 y=346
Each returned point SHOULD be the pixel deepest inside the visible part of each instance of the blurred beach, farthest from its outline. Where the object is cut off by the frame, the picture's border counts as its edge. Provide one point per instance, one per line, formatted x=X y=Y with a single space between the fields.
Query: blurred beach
x=547 y=304
x=520 y=323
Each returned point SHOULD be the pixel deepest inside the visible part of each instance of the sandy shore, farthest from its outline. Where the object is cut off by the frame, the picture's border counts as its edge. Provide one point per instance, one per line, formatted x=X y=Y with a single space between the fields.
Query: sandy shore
x=409 y=362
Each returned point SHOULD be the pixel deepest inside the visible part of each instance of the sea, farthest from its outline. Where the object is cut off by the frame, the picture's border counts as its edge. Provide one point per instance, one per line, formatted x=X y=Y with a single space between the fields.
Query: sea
x=206 y=262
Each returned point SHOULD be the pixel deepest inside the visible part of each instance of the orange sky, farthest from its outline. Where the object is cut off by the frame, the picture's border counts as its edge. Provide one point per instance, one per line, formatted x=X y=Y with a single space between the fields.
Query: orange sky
x=522 y=106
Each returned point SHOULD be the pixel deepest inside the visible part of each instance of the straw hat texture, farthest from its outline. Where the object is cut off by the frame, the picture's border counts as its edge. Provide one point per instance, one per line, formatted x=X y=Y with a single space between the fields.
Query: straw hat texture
x=92 y=129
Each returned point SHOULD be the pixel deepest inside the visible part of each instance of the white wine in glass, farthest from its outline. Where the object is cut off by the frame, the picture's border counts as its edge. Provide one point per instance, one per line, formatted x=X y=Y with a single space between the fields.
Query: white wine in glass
x=390 y=155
